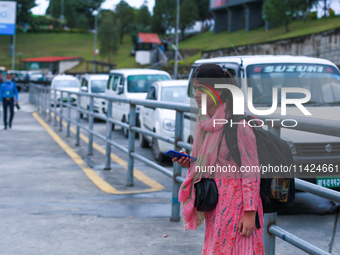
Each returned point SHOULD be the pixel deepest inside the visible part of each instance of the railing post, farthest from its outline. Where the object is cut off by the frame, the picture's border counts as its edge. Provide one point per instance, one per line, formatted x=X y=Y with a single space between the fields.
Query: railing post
x=90 y=147
x=132 y=122
x=45 y=101
x=49 y=104
x=108 y=135
x=61 y=111
x=177 y=169
x=78 y=121
x=55 y=107
x=270 y=218
x=68 y=114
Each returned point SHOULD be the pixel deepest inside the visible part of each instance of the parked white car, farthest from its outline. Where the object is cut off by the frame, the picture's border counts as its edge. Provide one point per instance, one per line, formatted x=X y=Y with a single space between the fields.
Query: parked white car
x=65 y=82
x=131 y=84
x=94 y=83
x=319 y=76
x=162 y=121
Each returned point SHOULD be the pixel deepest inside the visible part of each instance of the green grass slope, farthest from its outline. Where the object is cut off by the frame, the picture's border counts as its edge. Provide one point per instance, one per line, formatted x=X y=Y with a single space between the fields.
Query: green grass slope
x=210 y=41
x=61 y=44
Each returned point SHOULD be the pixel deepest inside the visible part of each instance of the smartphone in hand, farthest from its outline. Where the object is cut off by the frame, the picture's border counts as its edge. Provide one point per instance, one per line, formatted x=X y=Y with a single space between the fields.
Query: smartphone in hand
x=178 y=155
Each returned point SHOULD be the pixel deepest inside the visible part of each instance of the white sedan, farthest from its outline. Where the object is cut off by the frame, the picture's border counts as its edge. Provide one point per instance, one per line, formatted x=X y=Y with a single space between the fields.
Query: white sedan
x=162 y=121
x=67 y=83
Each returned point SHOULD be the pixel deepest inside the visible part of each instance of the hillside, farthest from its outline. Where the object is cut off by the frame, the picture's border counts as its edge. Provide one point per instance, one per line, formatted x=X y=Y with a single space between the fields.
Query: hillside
x=210 y=41
x=61 y=44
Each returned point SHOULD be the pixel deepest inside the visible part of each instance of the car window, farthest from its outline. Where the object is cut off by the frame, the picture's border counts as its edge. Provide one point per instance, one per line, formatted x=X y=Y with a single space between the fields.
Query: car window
x=65 y=84
x=84 y=83
x=141 y=83
x=320 y=80
x=109 y=81
x=115 y=83
x=98 y=86
x=176 y=94
x=151 y=94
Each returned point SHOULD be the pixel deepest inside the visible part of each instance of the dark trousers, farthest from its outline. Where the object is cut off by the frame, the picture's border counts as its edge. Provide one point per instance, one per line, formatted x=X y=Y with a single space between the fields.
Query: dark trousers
x=8 y=103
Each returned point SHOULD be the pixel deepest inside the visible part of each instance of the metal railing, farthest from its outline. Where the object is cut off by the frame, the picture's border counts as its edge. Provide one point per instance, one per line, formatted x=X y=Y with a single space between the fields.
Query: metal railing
x=44 y=96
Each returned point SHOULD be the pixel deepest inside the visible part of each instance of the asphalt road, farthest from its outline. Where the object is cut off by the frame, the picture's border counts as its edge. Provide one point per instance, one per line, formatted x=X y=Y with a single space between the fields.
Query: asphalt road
x=48 y=205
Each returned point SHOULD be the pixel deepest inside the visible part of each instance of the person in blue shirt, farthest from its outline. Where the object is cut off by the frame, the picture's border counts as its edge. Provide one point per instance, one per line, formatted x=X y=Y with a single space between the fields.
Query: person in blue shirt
x=8 y=96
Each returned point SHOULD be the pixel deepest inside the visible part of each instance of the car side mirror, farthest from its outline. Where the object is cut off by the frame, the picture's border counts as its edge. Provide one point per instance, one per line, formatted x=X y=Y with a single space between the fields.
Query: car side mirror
x=84 y=88
x=120 y=89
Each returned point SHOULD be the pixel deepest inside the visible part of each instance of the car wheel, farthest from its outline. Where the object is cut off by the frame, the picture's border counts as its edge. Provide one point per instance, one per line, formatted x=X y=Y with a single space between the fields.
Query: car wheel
x=157 y=154
x=143 y=142
x=125 y=130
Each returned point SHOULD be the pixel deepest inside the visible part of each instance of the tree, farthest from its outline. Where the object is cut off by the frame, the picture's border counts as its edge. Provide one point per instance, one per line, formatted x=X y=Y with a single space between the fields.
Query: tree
x=125 y=15
x=143 y=16
x=108 y=34
x=278 y=11
x=203 y=11
x=188 y=15
x=24 y=14
x=164 y=16
x=78 y=13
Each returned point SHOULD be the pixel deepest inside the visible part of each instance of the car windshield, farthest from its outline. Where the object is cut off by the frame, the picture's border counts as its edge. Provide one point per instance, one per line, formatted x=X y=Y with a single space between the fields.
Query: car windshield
x=66 y=84
x=322 y=81
x=98 y=86
x=142 y=83
x=174 y=94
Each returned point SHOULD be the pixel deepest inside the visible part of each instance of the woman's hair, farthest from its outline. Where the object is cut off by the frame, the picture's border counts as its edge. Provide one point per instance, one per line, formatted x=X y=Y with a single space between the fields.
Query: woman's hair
x=210 y=74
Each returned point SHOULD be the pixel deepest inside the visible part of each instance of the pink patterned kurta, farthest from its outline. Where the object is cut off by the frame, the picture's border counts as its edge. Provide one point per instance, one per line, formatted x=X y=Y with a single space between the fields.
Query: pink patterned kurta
x=236 y=195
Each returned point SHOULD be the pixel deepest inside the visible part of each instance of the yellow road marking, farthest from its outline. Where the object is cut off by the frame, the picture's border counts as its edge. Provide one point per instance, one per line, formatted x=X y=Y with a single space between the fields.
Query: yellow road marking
x=92 y=175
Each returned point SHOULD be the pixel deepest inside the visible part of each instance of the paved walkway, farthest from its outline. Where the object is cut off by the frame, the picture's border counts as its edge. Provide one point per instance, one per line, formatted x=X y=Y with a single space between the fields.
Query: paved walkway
x=48 y=205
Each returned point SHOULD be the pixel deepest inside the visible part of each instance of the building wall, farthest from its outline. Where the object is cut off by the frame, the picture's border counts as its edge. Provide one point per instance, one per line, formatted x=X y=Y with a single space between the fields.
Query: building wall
x=143 y=57
x=302 y=45
x=67 y=65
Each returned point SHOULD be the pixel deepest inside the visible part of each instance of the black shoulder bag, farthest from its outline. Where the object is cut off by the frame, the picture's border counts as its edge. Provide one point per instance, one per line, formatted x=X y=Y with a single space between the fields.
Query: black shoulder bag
x=206 y=195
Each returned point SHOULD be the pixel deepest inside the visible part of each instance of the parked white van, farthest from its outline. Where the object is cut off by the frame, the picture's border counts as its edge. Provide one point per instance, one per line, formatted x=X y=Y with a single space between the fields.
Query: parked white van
x=131 y=84
x=93 y=83
x=320 y=77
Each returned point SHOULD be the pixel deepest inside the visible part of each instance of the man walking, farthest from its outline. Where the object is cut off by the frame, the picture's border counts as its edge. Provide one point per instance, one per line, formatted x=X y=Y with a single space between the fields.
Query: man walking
x=8 y=96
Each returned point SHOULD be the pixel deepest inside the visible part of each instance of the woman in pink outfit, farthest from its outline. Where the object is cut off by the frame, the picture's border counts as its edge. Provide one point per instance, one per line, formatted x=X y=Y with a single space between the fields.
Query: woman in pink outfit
x=230 y=227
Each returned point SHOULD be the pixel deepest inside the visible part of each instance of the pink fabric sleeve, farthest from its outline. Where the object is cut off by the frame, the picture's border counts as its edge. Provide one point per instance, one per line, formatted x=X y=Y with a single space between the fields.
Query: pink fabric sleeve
x=249 y=161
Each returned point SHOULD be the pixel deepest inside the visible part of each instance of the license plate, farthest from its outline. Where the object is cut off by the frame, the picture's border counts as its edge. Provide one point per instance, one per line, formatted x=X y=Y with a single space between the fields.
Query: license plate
x=328 y=182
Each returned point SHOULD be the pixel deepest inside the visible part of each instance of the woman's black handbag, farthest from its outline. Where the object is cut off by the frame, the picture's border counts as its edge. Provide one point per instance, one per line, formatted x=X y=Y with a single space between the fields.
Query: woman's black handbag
x=206 y=195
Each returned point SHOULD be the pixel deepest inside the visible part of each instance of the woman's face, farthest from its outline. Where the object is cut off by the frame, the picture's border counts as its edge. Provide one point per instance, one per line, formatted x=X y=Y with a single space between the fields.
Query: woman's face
x=204 y=89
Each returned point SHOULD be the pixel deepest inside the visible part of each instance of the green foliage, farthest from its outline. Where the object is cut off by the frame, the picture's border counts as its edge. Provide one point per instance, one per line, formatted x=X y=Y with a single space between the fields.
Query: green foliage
x=125 y=15
x=331 y=13
x=164 y=16
x=188 y=15
x=143 y=17
x=108 y=34
x=24 y=14
x=77 y=13
x=203 y=9
x=313 y=15
x=278 y=11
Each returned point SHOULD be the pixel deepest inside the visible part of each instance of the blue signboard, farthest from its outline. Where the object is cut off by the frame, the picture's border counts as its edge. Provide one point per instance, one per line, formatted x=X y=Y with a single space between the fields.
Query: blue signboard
x=8 y=13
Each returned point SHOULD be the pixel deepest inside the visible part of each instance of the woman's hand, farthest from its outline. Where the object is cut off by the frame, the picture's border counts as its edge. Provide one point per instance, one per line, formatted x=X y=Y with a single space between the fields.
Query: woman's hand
x=247 y=223
x=183 y=161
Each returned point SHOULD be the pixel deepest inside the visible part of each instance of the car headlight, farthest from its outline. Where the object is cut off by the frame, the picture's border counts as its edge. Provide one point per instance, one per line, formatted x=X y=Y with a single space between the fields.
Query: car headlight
x=291 y=145
x=169 y=125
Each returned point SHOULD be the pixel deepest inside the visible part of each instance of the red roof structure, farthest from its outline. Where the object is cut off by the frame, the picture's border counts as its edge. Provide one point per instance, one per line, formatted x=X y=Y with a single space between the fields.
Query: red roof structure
x=49 y=59
x=149 y=38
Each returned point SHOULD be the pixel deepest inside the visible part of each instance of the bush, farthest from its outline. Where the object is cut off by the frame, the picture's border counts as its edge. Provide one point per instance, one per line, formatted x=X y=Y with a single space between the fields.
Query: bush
x=331 y=13
x=313 y=15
